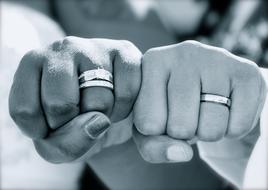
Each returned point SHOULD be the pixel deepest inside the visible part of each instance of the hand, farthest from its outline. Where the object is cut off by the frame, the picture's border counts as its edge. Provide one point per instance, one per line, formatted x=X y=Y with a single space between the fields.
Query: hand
x=47 y=105
x=168 y=111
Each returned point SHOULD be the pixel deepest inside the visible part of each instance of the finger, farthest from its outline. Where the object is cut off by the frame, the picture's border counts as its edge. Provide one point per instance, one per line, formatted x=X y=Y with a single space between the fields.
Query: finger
x=74 y=139
x=60 y=91
x=213 y=119
x=150 y=112
x=162 y=149
x=24 y=99
x=96 y=98
x=248 y=98
x=183 y=102
x=127 y=79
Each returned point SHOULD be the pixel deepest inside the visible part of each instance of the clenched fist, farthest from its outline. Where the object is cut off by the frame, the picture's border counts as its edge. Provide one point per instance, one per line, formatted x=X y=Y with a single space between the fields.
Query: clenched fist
x=65 y=121
x=169 y=110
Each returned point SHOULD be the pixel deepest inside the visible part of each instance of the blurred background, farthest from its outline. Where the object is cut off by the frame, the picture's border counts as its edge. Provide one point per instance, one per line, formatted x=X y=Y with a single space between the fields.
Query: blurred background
x=241 y=26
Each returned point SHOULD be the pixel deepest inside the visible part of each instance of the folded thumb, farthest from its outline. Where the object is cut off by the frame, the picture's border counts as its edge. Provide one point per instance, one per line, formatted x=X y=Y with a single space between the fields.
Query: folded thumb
x=97 y=125
x=74 y=139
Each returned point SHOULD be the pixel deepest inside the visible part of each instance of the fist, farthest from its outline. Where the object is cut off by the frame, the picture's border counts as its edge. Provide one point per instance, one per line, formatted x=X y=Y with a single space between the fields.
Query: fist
x=169 y=110
x=65 y=121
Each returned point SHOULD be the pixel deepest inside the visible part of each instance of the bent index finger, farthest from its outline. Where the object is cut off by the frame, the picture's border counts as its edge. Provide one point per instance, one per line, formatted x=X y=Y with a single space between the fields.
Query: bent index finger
x=24 y=99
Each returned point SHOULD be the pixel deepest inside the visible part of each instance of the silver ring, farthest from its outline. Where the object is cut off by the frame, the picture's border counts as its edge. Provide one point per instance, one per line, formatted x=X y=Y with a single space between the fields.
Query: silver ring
x=97 y=83
x=96 y=77
x=96 y=74
x=216 y=99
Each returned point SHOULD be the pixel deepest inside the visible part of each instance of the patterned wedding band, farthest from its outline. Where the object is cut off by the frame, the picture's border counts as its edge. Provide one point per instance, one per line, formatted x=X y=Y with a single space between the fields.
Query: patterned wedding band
x=96 y=74
x=215 y=99
x=96 y=78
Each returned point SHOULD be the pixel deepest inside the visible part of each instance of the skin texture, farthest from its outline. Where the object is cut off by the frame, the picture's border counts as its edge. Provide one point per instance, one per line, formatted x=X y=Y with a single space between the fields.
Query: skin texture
x=47 y=105
x=144 y=40
x=168 y=106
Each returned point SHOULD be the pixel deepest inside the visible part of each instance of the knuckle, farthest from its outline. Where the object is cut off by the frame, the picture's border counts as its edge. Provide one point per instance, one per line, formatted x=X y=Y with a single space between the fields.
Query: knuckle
x=210 y=135
x=56 y=46
x=127 y=44
x=20 y=113
x=189 y=48
x=129 y=55
x=222 y=52
x=238 y=131
x=149 y=54
x=233 y=134
x=190 y=43
x=98 y=104
x=61 y=44
x=34 y=132
x=31 y=54
x=149 y=128
x=69 y=40
x=60 y=107
x=250 y=71
x=32 y=57
x=25 y=118
x=180 y=132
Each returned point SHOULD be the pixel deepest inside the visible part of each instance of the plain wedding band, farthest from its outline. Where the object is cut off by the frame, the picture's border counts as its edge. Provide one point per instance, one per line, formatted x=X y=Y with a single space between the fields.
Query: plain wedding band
x=216 y=99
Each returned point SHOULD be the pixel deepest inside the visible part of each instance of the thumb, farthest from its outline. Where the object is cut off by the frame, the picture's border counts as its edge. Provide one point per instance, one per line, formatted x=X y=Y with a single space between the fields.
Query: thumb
x=74 y=139
x=162 y=149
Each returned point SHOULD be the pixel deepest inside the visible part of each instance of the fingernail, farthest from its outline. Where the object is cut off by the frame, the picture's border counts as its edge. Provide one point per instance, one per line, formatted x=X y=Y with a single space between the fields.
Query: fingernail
x=96 y=126
x=177 y=153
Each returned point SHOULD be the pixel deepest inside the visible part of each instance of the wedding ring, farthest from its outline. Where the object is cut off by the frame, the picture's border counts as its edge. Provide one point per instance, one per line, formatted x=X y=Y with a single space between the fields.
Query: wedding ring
x=216 y=99
x=97 y=83
x=96 y=77
x=96 y=74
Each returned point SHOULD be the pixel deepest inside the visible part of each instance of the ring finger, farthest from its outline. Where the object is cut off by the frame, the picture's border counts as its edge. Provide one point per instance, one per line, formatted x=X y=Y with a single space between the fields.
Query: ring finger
x=213 y=117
